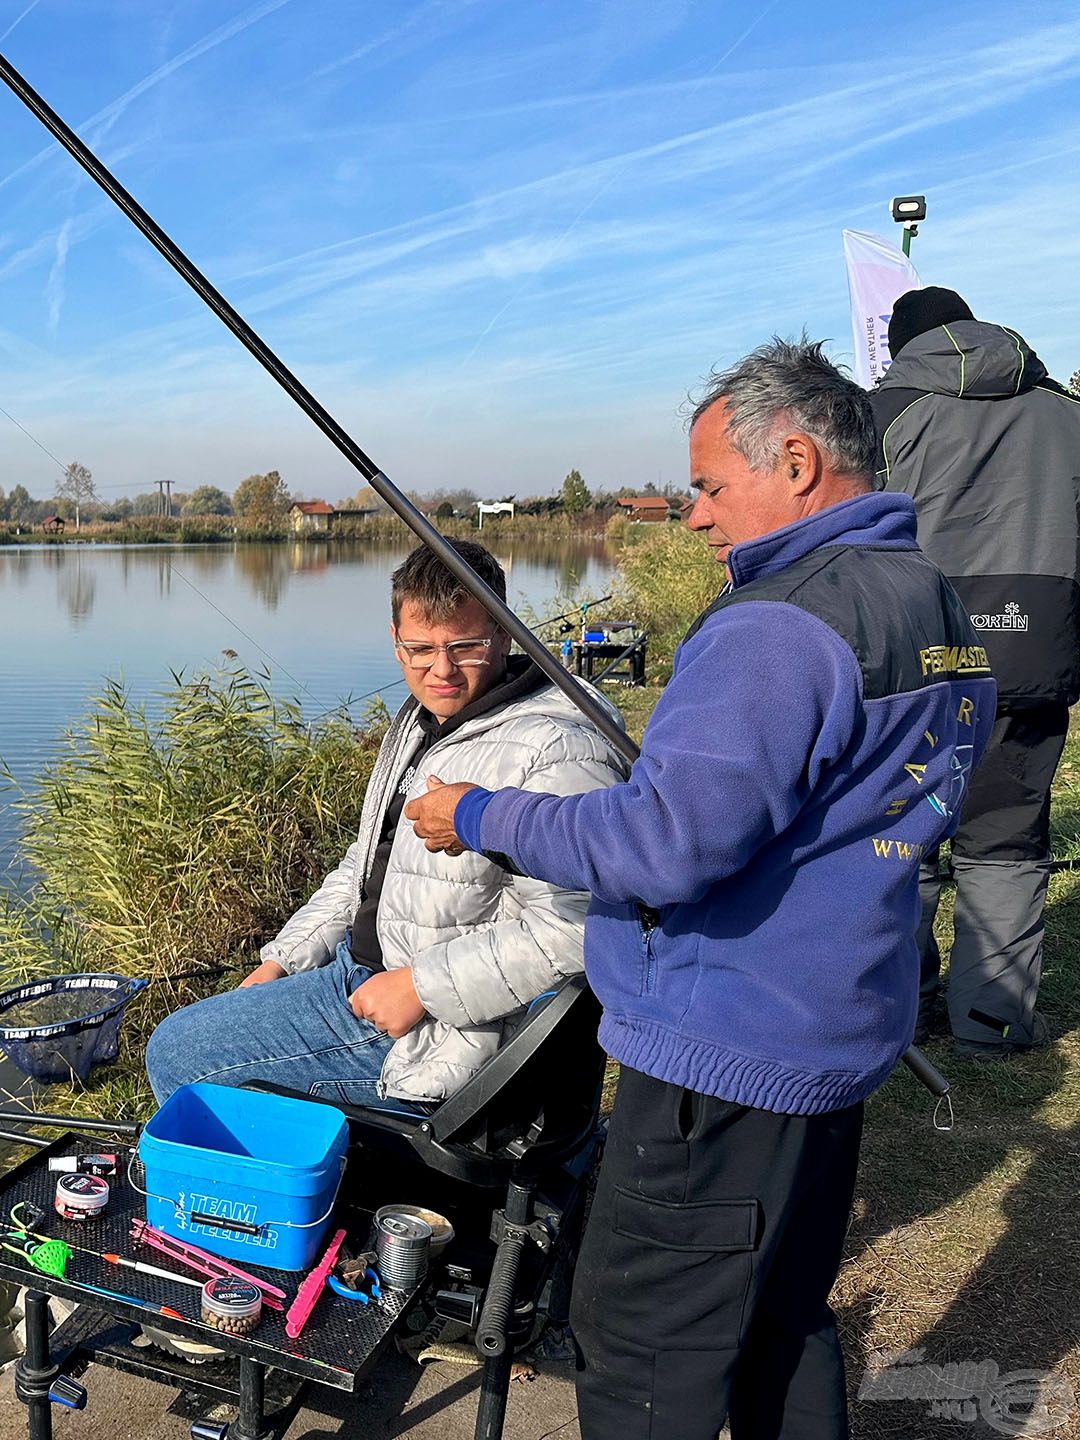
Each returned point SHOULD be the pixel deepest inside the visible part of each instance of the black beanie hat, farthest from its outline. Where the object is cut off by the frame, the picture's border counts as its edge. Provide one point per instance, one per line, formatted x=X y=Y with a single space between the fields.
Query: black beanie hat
x=920 y=310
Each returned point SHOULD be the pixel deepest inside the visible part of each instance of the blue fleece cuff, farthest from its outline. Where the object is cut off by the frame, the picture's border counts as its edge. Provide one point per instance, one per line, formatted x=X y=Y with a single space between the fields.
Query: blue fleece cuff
x=468 y=812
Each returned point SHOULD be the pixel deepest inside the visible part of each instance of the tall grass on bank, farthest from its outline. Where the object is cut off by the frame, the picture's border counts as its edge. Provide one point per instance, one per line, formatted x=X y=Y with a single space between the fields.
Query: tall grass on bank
x=668 y=576
x=163 y=844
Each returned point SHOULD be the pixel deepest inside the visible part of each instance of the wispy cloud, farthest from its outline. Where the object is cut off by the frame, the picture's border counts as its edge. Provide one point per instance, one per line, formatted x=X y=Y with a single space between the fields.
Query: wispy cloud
x=426 y=21
x=18 y=20
x=103 y=120
x=54 y=286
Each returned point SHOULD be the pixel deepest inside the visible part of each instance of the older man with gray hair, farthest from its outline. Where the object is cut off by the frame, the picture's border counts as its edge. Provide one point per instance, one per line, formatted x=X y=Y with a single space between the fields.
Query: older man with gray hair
x=755 y=900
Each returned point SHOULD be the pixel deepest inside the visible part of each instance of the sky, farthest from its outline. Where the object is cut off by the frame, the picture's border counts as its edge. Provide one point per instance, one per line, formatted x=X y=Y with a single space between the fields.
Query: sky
x=497 y=238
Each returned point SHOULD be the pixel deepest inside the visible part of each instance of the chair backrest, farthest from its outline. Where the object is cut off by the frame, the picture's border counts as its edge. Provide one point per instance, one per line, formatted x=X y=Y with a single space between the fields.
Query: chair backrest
x=540 y=1092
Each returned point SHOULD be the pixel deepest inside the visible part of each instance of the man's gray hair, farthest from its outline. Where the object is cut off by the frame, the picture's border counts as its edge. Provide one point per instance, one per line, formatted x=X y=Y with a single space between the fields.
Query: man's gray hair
x=790 y=385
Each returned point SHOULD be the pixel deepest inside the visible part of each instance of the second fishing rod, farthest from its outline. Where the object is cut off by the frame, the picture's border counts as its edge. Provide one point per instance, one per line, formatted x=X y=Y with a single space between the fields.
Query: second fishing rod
x=499 y=611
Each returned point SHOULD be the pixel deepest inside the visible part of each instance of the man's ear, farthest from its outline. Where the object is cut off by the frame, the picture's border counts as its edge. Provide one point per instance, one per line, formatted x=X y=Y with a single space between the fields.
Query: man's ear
x=800 y=462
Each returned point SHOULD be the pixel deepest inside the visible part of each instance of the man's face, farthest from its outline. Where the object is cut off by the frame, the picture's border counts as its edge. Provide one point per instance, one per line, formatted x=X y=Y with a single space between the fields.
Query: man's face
x=733 y=503
x=447 y=686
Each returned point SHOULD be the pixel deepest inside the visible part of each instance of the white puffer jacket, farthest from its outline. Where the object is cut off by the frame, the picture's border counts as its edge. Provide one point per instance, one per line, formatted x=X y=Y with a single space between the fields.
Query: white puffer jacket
x=482 y=943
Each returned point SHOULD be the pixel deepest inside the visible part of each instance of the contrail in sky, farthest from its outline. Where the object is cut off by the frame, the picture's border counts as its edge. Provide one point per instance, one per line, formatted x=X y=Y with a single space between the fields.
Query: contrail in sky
x=604 y=186
x=19 y=19
x=115 y=108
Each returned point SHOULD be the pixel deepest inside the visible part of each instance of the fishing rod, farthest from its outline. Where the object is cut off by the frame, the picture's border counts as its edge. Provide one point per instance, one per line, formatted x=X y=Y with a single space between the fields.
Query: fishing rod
x=383 y=486
x=572 y=614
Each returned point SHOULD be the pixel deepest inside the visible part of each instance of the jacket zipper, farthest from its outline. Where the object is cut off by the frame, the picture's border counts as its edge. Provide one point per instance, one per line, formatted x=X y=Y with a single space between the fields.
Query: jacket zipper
x=649 y=919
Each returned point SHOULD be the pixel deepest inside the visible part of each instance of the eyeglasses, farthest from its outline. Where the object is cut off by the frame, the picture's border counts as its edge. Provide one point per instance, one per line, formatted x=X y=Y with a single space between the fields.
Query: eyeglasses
x=461 y=653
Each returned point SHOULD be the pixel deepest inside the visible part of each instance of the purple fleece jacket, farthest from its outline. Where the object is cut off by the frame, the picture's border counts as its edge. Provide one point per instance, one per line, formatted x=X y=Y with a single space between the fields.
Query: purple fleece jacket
x=761 y=822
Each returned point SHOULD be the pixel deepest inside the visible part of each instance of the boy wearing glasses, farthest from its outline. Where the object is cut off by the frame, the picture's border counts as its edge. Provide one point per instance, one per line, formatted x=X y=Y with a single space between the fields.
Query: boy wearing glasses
x=392 y=985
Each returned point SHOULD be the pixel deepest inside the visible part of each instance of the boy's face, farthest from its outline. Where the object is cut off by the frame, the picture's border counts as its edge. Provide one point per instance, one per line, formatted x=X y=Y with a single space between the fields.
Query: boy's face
x=449 y=684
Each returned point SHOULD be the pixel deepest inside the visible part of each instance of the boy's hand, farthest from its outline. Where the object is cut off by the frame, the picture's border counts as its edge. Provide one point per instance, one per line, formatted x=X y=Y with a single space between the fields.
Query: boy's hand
x=268 y=970
x=389 y=1001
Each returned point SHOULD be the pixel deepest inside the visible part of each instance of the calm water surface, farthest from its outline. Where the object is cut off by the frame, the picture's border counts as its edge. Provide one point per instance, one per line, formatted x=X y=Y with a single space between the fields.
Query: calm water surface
x=70 y=616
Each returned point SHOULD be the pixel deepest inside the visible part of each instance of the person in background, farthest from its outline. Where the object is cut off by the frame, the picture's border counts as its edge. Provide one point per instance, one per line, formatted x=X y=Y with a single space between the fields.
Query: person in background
x=988 y=447
x=755 y=897
x=395 y=982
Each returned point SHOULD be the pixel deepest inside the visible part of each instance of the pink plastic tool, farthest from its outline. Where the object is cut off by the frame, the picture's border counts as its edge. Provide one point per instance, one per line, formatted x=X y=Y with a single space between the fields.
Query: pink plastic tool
x=201 y=1261
x=301 y=1308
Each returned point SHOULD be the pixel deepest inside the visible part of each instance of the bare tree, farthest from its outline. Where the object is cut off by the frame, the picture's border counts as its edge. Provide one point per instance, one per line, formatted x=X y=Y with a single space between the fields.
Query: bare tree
x=78 y=487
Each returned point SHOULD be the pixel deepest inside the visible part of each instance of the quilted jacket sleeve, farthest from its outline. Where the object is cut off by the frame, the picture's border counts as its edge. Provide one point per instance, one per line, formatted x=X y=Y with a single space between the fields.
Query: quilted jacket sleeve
x=537 y=939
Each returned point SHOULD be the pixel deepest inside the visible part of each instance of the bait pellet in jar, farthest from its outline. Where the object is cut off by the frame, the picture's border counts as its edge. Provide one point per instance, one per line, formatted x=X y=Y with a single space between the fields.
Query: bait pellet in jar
x=230 y=1305
x=80 y=1197
x=401 y=1249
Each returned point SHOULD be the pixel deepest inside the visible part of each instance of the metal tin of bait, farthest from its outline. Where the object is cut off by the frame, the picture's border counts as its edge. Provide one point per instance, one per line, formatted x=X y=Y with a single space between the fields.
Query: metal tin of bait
x=401 y=1248
x=80 y=1197
x=231 y=1305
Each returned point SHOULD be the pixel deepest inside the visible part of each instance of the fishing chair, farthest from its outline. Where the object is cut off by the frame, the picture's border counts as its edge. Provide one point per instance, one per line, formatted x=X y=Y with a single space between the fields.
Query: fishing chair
x=524 y=1132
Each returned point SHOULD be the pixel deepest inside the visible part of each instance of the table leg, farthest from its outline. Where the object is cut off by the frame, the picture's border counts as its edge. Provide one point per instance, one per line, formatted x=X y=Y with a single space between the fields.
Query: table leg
x=34 y=1375
x=250 y=1423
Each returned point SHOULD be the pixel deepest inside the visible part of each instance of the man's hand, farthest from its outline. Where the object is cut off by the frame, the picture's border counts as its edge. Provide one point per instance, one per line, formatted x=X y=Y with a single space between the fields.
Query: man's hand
x=268 y=970
x=433 y=815
x=389 y=1001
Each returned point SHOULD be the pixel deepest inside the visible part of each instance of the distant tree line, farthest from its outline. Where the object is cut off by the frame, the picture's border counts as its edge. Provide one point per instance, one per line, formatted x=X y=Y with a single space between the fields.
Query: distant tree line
x=263 y=501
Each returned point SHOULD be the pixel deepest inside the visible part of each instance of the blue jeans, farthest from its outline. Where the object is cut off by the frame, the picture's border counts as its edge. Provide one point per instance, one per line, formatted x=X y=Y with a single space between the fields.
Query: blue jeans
x=298 y=1031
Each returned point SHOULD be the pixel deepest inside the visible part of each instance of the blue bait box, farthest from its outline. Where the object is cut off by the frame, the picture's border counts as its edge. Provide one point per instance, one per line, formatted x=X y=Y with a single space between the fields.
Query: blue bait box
x=247 y=1176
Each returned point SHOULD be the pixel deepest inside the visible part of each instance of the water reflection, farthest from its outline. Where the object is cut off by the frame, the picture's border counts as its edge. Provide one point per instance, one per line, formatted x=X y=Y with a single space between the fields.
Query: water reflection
x=317 y=616
x=77 y=587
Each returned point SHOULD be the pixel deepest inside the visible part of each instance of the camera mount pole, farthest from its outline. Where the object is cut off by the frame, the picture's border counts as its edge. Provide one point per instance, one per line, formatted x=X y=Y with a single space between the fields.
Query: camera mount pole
x=499 y=611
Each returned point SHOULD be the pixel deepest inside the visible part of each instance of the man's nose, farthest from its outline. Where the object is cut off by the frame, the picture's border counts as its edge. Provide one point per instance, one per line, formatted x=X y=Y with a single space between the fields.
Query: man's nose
x=694 y=517
x=444 y=667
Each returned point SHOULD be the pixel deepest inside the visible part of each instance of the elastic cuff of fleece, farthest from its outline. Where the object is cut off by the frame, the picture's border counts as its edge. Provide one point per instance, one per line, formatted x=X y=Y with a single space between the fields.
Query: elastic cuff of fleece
x=468 y=813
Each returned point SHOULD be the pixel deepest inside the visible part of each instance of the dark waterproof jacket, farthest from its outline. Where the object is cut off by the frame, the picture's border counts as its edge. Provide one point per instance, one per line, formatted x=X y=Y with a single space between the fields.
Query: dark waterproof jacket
x=989 y=449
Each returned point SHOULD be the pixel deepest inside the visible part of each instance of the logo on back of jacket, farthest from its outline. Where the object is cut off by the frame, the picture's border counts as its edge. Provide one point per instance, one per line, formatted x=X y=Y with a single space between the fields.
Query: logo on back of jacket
x=1009 y=619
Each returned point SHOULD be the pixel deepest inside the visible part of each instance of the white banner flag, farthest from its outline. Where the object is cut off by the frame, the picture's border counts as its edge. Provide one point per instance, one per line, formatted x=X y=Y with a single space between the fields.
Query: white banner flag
x=878 y=274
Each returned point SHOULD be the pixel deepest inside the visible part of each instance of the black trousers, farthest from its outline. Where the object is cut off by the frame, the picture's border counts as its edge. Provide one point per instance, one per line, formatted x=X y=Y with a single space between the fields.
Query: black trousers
x=1001 y=864
x=701 y=1293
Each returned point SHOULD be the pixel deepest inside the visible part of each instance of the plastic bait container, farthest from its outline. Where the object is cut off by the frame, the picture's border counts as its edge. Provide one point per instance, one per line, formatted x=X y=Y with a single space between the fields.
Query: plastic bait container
x=80 y=1197
x=248 y=1176
x=231 y=1305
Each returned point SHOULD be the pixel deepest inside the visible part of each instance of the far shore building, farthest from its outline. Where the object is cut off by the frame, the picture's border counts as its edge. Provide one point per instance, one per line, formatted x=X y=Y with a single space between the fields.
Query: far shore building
x=308 y=515
x=647 y=508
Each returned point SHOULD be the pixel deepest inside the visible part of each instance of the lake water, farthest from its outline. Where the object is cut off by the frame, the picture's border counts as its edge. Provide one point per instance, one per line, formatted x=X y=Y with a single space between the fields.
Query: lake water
x=316 y=615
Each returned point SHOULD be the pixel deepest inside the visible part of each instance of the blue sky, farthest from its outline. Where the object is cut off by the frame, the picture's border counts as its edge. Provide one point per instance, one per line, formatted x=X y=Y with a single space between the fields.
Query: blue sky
x=498 y=238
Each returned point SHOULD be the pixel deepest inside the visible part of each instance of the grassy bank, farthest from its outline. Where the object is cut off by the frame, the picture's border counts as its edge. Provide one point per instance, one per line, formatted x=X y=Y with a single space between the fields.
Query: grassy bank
x=228 y=530
x=185 y=842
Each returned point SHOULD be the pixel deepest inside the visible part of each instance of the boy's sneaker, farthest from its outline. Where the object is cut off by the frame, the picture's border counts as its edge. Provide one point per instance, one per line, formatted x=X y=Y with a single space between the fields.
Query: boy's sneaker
x=1000 y=1050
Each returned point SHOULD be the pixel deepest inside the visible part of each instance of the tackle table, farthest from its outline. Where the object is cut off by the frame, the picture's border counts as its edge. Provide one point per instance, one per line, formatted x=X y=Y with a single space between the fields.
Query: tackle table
x=337 y=1347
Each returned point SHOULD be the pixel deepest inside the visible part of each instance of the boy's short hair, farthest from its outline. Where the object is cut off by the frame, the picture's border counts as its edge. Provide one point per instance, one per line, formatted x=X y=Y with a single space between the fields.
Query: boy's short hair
x=424 y=579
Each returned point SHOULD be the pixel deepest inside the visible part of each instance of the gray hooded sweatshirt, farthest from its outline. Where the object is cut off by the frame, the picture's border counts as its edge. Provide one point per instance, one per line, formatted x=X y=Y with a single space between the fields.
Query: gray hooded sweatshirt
x=989 y=449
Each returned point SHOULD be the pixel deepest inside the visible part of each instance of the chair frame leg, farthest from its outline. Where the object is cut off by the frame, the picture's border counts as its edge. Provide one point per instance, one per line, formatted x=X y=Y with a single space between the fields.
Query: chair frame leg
x=494 y=1392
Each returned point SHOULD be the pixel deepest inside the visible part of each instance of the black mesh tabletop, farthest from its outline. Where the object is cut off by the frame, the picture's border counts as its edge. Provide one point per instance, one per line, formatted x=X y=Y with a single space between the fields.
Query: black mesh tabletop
x=339 y=1342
